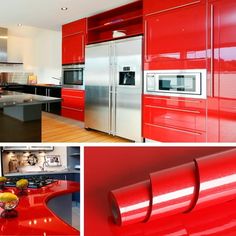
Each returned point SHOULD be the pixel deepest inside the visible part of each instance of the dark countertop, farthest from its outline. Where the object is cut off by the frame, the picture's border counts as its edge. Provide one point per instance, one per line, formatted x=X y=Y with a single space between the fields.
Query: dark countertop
x=10 y=98
x=44 y=85
x=32 y=85
x=72 y=171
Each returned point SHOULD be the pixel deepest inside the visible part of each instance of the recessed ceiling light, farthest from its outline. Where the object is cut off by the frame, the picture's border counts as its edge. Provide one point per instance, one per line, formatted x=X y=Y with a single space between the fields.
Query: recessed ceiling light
x=64 y=8
x=19 y=24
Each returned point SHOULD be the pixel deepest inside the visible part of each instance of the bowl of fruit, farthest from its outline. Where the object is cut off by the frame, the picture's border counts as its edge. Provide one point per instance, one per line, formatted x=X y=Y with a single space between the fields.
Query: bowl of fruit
x=2 y=182
x=22 y=186
x=8 y=202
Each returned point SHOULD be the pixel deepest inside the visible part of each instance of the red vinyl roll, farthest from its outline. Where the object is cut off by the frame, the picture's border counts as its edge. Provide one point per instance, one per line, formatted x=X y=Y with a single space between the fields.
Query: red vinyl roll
x=204 y=182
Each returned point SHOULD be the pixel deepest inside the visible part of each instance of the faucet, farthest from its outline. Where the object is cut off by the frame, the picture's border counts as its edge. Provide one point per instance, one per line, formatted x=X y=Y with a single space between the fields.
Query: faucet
x=43 y=166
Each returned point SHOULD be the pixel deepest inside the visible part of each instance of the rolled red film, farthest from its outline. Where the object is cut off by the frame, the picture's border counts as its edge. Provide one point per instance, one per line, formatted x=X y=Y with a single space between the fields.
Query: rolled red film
x=204 y=182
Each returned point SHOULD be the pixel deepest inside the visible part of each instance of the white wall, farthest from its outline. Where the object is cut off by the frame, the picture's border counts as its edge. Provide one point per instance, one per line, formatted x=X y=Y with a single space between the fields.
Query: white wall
x=39 y=50
x=24 y=167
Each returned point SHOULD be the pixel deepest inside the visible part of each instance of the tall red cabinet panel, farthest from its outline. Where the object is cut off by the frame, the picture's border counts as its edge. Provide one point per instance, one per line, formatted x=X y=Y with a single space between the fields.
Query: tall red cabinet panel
x=73 y=42
x=222 y=70
x=175 y=39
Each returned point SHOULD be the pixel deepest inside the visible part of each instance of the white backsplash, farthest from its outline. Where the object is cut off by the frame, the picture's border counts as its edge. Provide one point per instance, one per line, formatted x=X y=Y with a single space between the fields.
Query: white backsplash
x=19 y=159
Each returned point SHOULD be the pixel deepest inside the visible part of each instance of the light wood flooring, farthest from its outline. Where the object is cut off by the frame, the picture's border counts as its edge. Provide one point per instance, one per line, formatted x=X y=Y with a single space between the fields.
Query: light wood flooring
x=60 y=129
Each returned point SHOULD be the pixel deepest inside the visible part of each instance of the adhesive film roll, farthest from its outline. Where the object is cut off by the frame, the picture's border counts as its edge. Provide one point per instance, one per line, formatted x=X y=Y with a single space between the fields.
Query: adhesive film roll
x=204 y=182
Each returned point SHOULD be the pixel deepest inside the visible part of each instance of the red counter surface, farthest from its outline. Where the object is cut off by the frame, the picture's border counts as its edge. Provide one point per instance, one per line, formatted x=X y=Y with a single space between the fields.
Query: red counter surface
x=108 y=168
x=34 y=217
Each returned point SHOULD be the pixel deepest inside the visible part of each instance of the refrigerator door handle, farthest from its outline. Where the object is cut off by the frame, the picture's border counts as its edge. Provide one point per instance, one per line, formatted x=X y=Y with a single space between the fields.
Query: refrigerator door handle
x=110 y=90
x=114 y=89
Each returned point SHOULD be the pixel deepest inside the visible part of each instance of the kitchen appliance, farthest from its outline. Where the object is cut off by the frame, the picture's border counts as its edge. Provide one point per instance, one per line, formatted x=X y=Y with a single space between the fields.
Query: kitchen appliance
x=34 y=181
x=178 y=83
x=113 y=85
x=73 y=76
x=3 y=48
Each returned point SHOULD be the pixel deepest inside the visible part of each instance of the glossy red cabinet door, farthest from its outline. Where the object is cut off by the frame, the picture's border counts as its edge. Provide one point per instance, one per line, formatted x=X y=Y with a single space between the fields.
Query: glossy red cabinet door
x=176 y=39
x=73 y=48
x=222 y=95
x=168 y=119
x=74 y=41
x=151 y=6
x=73 y=104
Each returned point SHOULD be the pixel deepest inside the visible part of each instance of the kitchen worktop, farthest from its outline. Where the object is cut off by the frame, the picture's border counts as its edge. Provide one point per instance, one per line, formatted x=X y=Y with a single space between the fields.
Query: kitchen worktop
x=10 y=98
x=34 y=217
x=44 y=85
x=42 y=173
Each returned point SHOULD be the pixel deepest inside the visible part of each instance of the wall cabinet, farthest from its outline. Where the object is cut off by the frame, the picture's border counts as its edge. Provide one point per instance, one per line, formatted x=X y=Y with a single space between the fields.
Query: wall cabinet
x=127 y=19
x=73 y=103
x=73 y=42
x=176 y=38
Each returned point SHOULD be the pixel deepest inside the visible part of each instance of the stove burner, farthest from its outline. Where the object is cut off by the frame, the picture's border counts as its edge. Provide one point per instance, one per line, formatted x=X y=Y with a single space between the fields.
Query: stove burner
x=34 y=181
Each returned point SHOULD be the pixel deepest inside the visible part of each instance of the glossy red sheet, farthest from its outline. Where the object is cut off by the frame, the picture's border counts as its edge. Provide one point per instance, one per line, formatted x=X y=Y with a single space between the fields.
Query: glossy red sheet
x=122 y=166
x=203 y=182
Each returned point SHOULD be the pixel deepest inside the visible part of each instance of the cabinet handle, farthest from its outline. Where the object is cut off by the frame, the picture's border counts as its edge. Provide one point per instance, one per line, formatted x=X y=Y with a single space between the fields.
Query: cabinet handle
x=212 y=53
x=145 y=38
x=83 y=46
x=174 y=129
x=173 y=109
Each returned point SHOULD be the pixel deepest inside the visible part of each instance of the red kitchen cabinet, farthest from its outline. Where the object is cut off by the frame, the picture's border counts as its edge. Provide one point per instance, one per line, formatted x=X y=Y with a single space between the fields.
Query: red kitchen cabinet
x=168 y=119
x=151 y=6
x=175 y=38
x=73 y=42
x=73 y=104
x=127 y=19
x=222 y=70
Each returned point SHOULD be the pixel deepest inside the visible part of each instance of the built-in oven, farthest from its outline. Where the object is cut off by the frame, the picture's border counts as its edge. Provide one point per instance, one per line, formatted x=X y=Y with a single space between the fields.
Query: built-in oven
x=73 y=76
x=178 y=83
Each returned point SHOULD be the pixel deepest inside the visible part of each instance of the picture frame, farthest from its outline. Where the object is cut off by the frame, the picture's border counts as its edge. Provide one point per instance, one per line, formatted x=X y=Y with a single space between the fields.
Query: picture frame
x=53 y=160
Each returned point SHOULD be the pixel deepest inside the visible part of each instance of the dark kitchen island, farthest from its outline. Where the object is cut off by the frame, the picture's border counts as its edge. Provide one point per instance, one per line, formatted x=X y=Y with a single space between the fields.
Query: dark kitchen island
x=20 y=116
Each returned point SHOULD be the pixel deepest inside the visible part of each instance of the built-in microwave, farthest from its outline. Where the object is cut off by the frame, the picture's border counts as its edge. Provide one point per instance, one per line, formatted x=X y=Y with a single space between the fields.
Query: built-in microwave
x=178 y=83
x=73 y=76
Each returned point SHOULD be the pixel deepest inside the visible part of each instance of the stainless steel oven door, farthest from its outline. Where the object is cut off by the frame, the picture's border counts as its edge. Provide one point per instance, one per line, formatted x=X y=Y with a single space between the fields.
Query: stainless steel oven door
x=178 y=83
x=73 y=76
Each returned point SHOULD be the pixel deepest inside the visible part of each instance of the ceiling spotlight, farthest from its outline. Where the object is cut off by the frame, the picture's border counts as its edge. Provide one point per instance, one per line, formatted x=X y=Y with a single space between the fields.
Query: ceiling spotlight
x=19 y=24
x=64 y=8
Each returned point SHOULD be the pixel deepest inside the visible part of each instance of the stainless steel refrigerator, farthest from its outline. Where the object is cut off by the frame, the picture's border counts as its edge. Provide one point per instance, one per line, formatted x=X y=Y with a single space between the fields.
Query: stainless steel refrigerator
x=113 y=84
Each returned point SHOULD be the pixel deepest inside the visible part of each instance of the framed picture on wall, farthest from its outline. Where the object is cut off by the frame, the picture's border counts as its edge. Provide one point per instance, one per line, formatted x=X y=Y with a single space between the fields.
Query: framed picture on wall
x=53 y=160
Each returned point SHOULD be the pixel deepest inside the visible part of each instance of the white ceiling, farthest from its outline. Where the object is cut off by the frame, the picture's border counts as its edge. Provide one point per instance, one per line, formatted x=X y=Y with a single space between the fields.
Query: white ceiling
x=47 y=13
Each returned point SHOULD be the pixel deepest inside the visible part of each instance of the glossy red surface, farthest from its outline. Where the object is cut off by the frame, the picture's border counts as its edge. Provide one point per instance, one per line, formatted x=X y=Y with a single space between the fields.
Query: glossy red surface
x=34 y=217
x=127 y=18
x=205 y=182
x=74 y=41
x=73 y=102
x=173 y=119
x=175 y=39
x=198 y=35
x=123 y=166
x=222 y=101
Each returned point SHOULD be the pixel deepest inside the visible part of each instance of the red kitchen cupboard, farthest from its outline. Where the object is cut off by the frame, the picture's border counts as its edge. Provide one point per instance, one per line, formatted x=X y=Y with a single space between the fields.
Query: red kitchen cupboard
x=222 y=71
x=197 y=34
x=171 y=119
x=73 y=103
x=175 y=34
x=74 y=41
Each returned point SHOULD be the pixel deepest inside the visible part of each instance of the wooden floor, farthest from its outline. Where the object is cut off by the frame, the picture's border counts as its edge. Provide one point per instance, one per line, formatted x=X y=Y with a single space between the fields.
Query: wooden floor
x=59 y=129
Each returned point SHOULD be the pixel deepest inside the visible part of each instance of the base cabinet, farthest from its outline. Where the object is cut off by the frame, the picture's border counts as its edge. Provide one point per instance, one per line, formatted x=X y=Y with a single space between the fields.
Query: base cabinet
x=168 y=119
x=73 y=102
